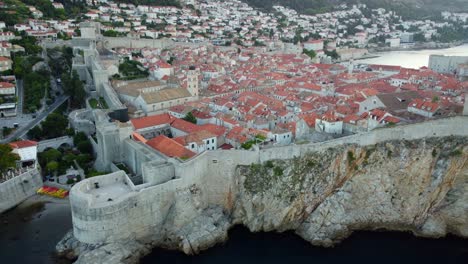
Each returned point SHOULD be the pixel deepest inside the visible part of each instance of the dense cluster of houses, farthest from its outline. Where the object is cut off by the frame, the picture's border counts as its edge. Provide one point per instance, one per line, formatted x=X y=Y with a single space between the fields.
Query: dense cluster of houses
x=283 y=98
x=348 y=29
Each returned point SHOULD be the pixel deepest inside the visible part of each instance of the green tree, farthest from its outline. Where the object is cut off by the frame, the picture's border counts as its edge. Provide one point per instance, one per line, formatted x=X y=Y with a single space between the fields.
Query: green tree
x=55 y=125
x=7 y=158
x=35 y=133
x=52 y=167
x=79 y=137
x=85 y=147
x=190 y=118
x=309 y=53
x=74 y=88
x=50 y=155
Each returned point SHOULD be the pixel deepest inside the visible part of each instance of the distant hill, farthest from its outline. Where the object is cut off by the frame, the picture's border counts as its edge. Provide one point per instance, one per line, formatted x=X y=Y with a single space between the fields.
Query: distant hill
x=407 y=8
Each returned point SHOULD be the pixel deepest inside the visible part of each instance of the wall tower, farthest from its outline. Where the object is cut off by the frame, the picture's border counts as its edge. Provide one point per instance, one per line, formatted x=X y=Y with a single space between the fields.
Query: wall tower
x=192 y=81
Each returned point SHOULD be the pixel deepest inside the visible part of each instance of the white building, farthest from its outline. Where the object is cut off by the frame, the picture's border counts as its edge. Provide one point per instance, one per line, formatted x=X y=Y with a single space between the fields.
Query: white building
x=329 y=123
x=27 y=151
x=198 y=141
x=282 y=136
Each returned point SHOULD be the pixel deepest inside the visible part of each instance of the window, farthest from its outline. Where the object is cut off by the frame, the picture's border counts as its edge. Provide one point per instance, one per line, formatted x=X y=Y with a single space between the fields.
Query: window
x=212 y=140
x=193 y=145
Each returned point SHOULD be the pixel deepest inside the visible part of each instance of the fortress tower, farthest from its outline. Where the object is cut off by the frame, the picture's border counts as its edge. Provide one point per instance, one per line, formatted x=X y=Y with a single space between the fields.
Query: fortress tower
x=192 y=81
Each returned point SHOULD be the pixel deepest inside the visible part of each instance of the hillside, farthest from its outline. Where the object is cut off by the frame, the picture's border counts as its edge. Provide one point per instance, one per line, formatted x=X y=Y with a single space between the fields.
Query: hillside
x=407 y=8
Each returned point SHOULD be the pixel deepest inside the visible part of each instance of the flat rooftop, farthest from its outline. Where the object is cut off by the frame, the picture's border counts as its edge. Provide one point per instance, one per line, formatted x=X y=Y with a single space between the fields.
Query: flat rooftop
x=109 y=193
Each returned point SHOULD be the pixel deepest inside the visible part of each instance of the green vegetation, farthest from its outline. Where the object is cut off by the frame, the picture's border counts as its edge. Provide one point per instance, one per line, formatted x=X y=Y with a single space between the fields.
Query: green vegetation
x=94 y=173
x=309 y=53
x=60 y=60
x=7 y=158
x=55 y=125
x=36 y=84
x=333 y=54
x=103 y=103
x=14 y=12
x=278 y=171
x=269 y=164
x=456 y=32
x=113 y=33
x=248 y=144
x=351 y=157
x=29 y=43
x=46 y=7
x=190 y=118
x=434 y=153
x=73 y=87
x=93 y=103
x=98 y=104
x=6 y=131
x=36 y=87
x=130 y=70
x=456 y=153
x=57 y=161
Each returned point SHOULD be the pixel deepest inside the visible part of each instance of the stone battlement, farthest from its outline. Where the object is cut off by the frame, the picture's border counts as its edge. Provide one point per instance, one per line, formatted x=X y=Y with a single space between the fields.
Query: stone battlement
x=137 y=211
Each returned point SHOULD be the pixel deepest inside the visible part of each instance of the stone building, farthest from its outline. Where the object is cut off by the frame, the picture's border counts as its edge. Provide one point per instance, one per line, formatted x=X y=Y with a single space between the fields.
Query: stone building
x=151 y=97
x=446 y=64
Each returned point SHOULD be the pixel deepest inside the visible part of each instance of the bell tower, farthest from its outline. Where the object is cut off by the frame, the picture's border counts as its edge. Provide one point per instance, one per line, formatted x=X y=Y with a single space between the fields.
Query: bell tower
x=192 y=81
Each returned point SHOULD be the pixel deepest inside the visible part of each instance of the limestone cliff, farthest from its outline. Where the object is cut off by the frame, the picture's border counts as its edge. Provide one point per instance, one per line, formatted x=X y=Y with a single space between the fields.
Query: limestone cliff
x=419 y=186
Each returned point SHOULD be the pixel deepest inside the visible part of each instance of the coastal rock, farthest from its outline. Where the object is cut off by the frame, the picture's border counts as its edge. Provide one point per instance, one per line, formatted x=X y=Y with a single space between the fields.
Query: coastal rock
x=419 y=186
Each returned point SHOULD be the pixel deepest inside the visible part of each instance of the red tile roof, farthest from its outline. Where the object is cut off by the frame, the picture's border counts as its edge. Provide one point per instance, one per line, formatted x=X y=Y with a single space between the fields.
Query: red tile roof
x=185 y=126
x=214 y=129
x=169 y=147
x=150 y=121
x=424 y=105
x=6 y=85
x=23 y=144
x=197 y=137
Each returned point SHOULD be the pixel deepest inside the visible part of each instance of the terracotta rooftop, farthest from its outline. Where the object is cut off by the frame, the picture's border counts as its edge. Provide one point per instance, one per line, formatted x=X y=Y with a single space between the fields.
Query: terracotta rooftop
x=169 y=147
x=197 y=137
x=150 y=121
x=23 y=144
x=185 y=126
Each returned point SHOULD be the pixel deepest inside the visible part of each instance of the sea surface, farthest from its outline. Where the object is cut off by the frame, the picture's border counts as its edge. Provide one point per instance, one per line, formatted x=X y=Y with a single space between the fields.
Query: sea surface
x=362 y=247
x=414 y=59
x=29 y=235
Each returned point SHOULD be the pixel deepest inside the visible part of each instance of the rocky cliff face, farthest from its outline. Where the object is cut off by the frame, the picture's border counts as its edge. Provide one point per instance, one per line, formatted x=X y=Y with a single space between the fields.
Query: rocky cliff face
x=419 y=186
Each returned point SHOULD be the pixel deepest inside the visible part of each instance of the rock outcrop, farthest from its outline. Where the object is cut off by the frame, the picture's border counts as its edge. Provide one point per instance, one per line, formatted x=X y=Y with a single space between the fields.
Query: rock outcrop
x=419 y=186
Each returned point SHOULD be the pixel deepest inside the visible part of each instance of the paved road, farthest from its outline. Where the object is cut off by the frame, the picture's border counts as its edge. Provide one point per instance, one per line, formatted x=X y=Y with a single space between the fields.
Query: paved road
x=22 y=130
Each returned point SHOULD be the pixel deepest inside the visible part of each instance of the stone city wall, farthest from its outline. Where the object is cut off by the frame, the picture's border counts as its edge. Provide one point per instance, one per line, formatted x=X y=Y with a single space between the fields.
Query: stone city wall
x=209 y=177
x=18 y=189
x=114 y=42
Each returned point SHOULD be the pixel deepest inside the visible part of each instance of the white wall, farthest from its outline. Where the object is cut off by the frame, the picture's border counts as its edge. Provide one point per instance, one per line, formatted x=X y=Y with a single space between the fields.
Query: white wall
x=18 y=189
